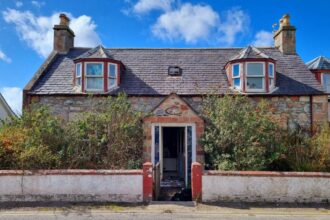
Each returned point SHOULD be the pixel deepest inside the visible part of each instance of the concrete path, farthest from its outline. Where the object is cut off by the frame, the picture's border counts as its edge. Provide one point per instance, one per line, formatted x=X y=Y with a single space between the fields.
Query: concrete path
x=165 y=210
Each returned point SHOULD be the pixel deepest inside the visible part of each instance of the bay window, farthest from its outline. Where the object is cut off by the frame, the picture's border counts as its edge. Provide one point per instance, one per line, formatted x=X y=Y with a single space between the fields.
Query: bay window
x=236 y=76
x=326 y=82
x=94 y=76
x=255 y=76
x=112 y=75
x=78 y=75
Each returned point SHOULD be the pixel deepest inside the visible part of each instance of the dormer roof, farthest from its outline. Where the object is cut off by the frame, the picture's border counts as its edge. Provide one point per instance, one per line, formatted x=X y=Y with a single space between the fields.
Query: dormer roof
x=96 y=52
x=250 y=52
x=319 y=63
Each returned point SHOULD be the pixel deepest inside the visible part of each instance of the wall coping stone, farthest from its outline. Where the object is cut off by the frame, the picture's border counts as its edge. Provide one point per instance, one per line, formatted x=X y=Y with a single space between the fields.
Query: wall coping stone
x=69 y=172
x=266 y=174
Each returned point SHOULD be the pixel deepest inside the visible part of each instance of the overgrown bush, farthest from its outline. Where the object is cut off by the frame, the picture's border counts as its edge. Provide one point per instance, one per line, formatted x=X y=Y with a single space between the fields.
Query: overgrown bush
x=239 y=135
x=110 y=136
x=305 y=153
x=35 y=140
x=242 y=136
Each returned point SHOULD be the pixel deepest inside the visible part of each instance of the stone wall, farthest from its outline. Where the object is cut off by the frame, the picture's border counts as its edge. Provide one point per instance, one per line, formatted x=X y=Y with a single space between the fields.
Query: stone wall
x=293 y=111
x=290 y=111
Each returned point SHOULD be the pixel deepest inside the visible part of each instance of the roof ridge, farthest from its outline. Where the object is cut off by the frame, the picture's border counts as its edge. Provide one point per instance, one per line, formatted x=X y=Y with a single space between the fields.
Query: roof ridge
x=171 y=48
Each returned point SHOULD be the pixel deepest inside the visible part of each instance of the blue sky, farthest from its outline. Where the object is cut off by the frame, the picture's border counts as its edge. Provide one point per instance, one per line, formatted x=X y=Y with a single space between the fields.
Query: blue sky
x=26 y=28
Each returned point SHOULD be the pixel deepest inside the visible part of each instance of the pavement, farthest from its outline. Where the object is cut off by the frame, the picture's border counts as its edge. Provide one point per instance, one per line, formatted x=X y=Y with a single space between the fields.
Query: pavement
x=164 y=211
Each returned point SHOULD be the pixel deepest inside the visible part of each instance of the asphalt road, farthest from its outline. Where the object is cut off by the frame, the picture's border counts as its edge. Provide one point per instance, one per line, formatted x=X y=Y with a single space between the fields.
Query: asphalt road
x=100 y=215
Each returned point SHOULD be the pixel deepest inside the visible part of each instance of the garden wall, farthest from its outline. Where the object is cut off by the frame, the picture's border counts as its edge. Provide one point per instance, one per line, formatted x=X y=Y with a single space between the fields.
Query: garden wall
x=260 y=186
x=76 y=185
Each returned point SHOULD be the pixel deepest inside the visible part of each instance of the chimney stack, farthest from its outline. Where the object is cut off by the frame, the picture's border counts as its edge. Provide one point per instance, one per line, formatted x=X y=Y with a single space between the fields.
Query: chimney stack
x=285 y=36
x=63 y=35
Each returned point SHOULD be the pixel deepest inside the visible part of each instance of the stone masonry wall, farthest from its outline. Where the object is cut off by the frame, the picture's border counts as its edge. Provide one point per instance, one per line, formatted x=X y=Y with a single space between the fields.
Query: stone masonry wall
x=290 y=111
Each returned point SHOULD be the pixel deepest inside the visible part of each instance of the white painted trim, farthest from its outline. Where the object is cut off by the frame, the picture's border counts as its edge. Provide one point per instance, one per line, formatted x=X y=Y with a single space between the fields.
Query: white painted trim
x=194 y=147
x=255 y=76
x=186 y=155
x=153 y=145
x=161 y=161
x=89 y=76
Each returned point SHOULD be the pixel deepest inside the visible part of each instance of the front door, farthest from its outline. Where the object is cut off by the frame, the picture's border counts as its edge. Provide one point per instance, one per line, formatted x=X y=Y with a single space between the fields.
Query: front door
x=174 y=147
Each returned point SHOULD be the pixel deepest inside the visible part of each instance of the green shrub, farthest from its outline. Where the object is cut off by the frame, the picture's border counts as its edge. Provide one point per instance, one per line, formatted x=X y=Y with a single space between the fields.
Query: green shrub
x=239 y=135
x=33 y=141
x=305 y=153
x=110 y=136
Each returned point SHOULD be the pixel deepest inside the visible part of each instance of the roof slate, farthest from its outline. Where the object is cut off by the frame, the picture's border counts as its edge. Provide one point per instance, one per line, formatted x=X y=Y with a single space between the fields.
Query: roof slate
x=249 y=52
x=319 y=63
x=146 y=72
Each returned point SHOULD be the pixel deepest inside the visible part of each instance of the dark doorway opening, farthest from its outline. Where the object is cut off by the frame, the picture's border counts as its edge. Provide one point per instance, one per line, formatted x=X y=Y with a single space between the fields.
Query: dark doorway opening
x=174 y=160
x=173 y=154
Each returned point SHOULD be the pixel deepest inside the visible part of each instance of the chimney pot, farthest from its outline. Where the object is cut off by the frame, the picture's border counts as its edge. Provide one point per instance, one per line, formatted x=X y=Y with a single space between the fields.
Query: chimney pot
x=64 y=20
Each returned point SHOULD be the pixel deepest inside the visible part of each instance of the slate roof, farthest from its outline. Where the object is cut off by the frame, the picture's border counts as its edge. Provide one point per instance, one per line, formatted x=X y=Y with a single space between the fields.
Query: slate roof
x=319 y=63
x=249 y=52
x=97 y=52
x=146 y=72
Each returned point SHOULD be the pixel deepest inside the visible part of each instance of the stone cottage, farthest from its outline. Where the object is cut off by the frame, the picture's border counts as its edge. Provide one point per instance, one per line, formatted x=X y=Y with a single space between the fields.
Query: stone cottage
x=170 y=84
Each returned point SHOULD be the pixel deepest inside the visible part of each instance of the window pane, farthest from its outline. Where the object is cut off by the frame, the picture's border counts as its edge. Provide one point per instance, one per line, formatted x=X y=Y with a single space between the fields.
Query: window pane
x=254 y=83
x=78 y=81
x=326 y=82
x=94 y=83
x=255 y=69
x=235 y=70
x=237 y=82
x=271 y=81
x=94 y=69
x=112 y=82
x=78 y=69
x=271 y=70
x=112 y=70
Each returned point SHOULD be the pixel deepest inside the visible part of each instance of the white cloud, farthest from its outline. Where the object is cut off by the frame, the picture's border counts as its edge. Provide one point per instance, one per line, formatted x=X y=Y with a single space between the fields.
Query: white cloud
x=19 y=4
x=37 y=31
x=263 y=39
x=189 y=22
x=145 y=6
x=38 y=4
x=4 y=57
x=14 y=98
x=236 y=22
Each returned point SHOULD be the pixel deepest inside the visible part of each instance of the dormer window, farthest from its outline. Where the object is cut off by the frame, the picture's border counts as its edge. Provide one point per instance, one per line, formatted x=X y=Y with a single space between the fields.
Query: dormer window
x=251 y=71
x=94 y=76
x=96 y=71
x=255 y=76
